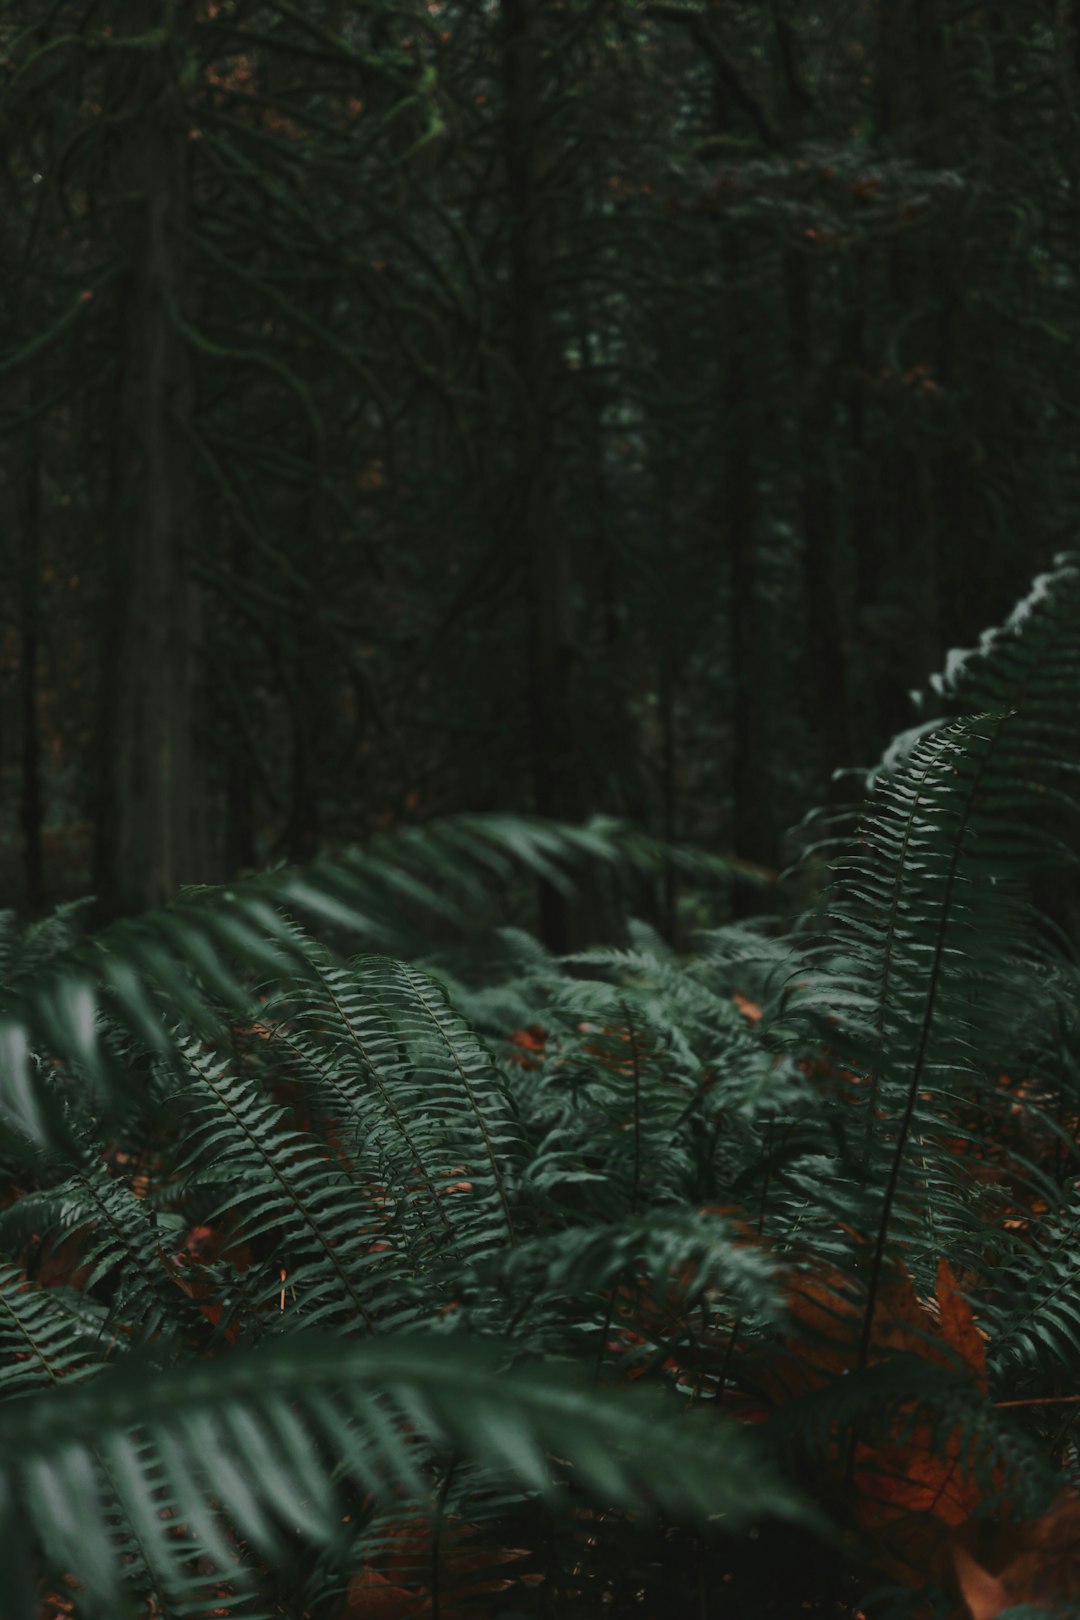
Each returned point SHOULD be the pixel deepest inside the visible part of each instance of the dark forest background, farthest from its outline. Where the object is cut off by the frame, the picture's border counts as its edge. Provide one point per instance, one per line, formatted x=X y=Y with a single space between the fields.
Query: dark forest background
x=537 y=405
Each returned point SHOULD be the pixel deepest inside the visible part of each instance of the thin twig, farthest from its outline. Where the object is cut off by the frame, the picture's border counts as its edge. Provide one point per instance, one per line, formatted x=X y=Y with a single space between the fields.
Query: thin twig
x=1042 y=1400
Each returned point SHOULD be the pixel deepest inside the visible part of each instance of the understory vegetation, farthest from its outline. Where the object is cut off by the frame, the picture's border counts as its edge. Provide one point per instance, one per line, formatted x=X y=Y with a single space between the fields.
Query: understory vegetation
x=440 y=1275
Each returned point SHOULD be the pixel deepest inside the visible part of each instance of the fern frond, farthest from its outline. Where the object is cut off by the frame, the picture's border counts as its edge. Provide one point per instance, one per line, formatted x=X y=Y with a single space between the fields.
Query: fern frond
x=1033 y=1310
x=122 y=1248
x=256 y=1431
x=199 y=954
x=46 y=1335
x=675 y=1276
x=919 y=987
x=409 y=1097
x=280 y=1186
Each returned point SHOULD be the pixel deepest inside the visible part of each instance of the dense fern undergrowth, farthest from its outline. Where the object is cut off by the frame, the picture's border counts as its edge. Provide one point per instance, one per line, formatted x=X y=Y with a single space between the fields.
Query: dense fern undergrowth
x=404 y=1280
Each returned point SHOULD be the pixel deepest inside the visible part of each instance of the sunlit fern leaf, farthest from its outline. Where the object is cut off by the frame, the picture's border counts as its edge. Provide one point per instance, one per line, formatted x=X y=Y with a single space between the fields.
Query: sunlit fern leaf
x=254 y=1431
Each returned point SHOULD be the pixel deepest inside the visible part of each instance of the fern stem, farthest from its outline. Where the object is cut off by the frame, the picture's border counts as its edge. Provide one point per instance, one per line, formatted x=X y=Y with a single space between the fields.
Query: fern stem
x=888 y=955
x=893 y=1182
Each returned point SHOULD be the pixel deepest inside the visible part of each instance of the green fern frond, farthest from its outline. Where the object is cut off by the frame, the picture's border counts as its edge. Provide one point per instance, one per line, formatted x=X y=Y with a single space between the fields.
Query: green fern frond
x=256 y=1431
x=122 y=1248
x=46 y=1335
x=1033 y=1314
x=410 y=1095
x=672 y=1275
x=197 y=956
x=919 y=985
x=282 y=1186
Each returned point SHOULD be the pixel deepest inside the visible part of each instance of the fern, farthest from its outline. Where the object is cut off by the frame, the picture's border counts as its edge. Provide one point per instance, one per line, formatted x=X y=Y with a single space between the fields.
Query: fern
x=319 y=1271
x=197 y=957
x=925 y=969
x=259 y=1429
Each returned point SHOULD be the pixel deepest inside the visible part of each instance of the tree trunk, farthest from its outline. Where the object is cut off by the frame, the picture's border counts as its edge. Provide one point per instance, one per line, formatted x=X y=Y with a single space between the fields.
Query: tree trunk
x=826 y=633
x=31 y=798
x=240 y=798
x=150 y=845
x=753 y=828
x=904 y=584
x=543 y=539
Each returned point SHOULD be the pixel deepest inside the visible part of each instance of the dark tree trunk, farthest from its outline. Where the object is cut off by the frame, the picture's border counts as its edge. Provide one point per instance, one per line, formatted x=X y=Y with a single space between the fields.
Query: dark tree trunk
x=151 y=841
x=240 y=800
x=302 y=831
x=543 y=539
x=31 y=806
x=826 y=672
x=753 y=823
x=669 y=793
x=865 y=541
x=907 y=85
x=240 y=854
x=753 y=816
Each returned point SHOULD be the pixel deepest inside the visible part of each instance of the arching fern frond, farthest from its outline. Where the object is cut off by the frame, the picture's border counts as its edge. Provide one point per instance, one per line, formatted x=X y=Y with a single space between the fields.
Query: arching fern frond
x=257 y=1430
x=1034 y=1301
x=920 y=986
x=201 y=954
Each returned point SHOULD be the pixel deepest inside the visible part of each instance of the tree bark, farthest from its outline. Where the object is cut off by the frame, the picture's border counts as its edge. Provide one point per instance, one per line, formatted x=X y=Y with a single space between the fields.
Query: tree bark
x=240 y=796
x=826 y=631
x=907 y=88
x=753 y=826
x=31 y=802
x=543 y=540
x=151 y=843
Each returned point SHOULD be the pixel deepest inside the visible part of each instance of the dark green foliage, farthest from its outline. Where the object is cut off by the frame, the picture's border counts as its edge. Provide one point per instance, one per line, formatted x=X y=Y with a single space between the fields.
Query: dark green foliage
x=201 y=952
x=389 y=1243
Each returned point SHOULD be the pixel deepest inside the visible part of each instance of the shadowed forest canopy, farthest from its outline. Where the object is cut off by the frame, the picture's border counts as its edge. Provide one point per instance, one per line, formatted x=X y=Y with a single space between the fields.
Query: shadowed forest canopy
x=564 y=1100
x=544 y=405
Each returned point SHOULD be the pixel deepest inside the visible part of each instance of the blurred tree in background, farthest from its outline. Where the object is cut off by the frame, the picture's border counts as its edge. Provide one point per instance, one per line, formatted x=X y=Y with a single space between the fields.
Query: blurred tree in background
x=540 y=404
